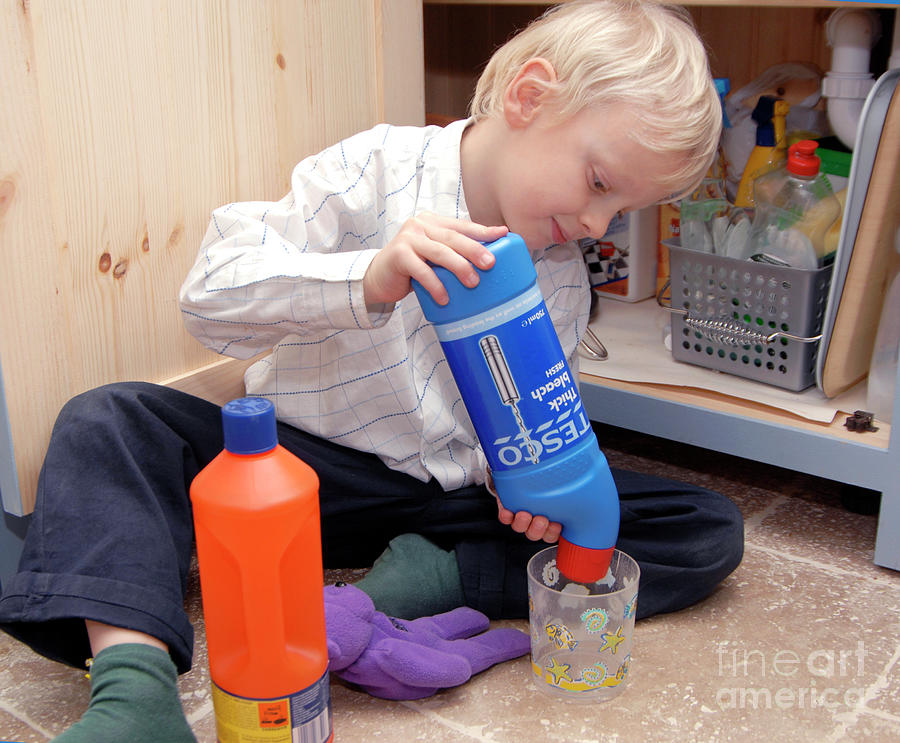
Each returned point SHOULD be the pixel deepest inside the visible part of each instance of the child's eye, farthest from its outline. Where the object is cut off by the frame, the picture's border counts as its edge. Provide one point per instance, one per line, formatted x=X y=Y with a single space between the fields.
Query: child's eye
x=599 y=185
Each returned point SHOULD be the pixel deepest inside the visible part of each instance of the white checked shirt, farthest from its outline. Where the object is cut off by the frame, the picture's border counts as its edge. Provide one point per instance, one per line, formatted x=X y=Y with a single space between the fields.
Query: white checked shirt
x=288 y=276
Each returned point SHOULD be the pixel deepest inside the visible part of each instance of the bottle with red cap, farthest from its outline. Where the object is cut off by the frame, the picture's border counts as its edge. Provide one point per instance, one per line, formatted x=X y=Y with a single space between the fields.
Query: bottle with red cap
x=256 y=517
x=795 y=206
x=523 y=401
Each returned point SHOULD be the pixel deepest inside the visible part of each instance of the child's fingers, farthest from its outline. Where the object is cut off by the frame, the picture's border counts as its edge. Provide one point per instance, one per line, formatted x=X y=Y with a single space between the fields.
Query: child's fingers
x=479 y=232
x=537 y=528
x=431 y=283
x=534 y=527
x=426 y=241
x=456 y=251
x=504 y=515
x=551 y=536
x=462 y=237
x=522 y=522
x=426 y=252
x=467 y=240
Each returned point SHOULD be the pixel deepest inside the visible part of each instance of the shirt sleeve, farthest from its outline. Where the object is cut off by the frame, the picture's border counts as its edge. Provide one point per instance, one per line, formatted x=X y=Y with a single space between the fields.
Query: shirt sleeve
x=266 y=270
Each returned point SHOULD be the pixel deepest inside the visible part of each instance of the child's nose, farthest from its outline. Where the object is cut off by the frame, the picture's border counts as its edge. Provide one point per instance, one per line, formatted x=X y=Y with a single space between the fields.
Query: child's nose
x=595 y=222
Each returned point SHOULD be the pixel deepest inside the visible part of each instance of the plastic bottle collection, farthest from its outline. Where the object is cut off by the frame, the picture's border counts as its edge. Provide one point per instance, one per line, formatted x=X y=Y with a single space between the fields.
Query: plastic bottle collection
x=785 y=211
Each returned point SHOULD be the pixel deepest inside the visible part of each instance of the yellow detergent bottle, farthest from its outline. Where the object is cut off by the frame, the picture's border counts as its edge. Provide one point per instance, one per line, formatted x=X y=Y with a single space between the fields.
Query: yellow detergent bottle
x=771 y=146
x=795 y=209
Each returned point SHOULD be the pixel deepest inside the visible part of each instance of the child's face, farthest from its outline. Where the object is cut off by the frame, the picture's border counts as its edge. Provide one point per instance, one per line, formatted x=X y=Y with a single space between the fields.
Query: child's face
x=566 y=180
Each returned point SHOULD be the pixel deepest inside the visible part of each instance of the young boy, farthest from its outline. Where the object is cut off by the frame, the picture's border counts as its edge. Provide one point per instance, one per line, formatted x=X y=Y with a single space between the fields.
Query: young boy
x=597 y=108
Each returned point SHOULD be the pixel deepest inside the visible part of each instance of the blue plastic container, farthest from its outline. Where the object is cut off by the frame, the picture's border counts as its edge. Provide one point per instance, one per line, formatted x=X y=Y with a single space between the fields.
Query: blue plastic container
x=523 y=400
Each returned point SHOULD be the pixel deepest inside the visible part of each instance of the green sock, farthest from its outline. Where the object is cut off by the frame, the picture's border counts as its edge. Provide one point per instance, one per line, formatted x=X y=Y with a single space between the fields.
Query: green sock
x=413 y=578
x=134 y=697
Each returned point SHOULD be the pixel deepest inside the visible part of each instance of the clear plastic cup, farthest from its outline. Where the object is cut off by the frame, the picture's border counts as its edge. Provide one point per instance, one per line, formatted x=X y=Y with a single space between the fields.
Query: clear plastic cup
x=581 y=634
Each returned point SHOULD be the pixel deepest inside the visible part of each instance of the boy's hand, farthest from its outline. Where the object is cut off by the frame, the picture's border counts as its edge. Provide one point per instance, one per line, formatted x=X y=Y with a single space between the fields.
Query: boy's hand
x=428 y=238
x=533 y=527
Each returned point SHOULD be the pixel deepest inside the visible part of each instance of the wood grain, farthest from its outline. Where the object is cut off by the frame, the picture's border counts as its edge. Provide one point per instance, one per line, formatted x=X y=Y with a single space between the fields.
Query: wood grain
x=123 y=124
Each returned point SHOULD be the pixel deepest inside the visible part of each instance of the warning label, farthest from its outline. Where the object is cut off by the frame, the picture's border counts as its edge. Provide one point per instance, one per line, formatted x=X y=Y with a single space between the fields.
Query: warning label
x=273 y=714
x=304 y=717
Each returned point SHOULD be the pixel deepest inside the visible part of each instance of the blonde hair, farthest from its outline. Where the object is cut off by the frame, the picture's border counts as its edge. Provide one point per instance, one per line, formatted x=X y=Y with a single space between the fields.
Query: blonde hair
x=638 y=53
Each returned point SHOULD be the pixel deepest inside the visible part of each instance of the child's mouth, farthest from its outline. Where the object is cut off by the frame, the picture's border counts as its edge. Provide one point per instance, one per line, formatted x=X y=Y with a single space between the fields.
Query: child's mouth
x=559 y=236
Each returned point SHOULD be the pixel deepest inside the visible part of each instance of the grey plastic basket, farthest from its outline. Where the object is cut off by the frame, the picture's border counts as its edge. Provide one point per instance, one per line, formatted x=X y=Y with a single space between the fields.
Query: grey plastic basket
x=753 y=320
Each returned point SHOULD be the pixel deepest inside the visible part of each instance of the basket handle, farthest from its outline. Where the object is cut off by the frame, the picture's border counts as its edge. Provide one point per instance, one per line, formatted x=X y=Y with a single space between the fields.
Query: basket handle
x=728 y=332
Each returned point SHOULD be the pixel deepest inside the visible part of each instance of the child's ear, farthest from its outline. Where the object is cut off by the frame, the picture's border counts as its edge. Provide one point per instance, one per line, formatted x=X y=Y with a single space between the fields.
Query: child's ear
x=523 y=96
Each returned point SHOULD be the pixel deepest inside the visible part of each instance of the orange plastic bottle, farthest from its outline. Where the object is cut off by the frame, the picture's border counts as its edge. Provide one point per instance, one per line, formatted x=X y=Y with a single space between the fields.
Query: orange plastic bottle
x=256 y=517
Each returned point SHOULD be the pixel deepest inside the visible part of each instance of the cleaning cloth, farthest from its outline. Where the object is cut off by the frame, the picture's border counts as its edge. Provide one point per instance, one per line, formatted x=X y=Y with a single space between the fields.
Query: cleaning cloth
x=399 y=659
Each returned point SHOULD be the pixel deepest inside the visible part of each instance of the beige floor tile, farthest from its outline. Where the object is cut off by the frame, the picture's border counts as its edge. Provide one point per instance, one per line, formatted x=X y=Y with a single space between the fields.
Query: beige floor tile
x=825 y=534
x=48 y=697
x=13 y=729
x=774 y=653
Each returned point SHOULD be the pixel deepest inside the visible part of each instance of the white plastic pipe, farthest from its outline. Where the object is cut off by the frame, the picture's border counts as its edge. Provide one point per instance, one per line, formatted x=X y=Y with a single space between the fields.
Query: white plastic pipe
x=851 y=33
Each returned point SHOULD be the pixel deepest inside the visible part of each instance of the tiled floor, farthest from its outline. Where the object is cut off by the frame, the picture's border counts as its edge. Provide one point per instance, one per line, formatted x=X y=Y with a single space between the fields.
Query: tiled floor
x=801 y=643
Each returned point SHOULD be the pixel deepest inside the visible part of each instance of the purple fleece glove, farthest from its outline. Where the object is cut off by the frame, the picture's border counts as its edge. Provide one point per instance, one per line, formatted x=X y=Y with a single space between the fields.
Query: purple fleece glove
x=399 y=659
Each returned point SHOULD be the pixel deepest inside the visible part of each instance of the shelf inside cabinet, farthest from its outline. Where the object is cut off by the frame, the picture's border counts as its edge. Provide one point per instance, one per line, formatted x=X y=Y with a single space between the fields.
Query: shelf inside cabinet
x=639 y=363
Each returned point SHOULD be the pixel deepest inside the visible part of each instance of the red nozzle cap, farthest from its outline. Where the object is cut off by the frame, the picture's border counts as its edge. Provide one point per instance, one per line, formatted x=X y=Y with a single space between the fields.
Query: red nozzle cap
x=582 y=564
x=802 y=158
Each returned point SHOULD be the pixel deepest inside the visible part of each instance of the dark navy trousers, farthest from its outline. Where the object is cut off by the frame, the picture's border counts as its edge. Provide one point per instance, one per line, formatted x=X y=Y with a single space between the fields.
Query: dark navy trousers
x=111 y=536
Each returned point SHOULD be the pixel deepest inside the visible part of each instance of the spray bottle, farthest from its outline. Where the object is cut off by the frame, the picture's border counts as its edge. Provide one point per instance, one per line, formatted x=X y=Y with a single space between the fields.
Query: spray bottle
x=515 y=382
x=770 y=152
x=256 y=517
x=705 y=216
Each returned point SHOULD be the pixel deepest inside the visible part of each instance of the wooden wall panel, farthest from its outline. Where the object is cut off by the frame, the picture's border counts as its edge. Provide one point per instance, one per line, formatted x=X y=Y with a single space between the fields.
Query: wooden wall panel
x=764 y=36
x=123 y=124
x=459 y=40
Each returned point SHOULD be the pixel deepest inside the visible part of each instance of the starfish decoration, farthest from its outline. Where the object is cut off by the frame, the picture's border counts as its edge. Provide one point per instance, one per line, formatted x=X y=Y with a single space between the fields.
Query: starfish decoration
x=611 y=641
x=559 y=670
x=630 y=607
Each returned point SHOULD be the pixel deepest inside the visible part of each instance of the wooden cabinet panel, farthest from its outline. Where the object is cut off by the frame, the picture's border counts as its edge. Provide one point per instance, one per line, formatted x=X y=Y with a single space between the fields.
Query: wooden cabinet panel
x=124 y=123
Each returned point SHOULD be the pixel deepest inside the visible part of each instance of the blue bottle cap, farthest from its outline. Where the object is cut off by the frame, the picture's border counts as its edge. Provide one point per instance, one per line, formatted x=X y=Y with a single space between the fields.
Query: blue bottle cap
x=249 y=425
x=723 y=88
x=512 y=273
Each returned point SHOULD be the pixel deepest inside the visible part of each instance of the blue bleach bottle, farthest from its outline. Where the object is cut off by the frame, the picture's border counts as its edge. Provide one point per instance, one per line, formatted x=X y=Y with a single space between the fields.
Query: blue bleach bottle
x=523 y=401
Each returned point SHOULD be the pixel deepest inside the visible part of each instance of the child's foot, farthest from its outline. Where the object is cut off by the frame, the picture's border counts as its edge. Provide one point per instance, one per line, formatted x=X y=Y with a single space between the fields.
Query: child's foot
x=134 y=697
x=413 y=578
